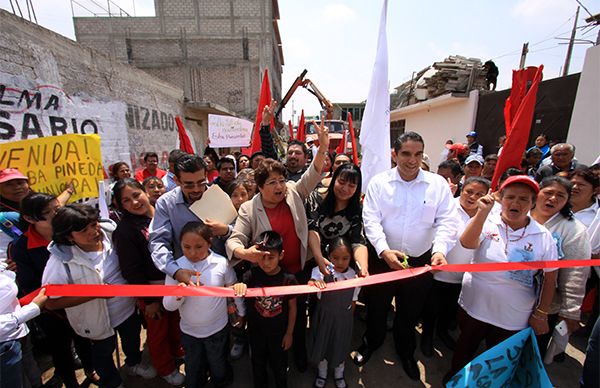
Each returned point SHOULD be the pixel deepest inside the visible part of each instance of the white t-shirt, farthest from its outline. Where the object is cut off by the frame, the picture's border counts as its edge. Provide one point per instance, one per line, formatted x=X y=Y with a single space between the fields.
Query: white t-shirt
x=337 y=276
x=106 y=263
x=203 y=316
x=506 y=299
x=458 y=254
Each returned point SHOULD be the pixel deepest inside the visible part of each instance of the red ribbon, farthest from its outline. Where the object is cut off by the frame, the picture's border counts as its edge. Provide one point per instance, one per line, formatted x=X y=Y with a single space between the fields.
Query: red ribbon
x=133 y=290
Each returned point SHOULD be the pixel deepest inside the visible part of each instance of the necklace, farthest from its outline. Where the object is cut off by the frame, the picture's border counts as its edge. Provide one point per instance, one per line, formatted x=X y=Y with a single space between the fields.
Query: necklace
x=515 y=240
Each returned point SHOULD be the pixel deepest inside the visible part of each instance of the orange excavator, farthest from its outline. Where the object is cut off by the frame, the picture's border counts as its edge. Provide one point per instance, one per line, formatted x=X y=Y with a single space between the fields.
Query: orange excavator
x=336 y=127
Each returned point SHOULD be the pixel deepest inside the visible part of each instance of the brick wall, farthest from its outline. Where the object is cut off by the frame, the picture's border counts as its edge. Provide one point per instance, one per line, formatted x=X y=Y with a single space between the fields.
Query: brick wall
x=214 y=43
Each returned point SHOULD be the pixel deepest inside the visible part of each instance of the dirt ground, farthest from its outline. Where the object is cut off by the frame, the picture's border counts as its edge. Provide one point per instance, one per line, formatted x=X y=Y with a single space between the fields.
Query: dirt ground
x=383 y=370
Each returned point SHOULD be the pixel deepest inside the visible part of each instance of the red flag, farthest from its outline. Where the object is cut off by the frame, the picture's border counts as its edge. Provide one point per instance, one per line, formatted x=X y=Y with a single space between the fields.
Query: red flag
x=291 y=129
x=521 y=79
x=520 y=126
x=263 y=99
x=300 y=135
x=353 y=139
x=184 y=141
x=341 y=148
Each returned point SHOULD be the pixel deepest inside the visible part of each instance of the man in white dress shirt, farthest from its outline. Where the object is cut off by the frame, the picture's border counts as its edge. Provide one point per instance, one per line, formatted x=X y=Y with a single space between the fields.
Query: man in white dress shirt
x=407 y=213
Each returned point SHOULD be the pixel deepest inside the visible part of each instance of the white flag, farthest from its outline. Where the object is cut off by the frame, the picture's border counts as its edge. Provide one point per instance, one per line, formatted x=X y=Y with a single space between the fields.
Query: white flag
x=375 y=127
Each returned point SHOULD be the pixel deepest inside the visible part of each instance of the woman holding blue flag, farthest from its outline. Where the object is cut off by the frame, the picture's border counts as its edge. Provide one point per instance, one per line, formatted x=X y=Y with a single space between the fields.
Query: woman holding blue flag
x=496 y=305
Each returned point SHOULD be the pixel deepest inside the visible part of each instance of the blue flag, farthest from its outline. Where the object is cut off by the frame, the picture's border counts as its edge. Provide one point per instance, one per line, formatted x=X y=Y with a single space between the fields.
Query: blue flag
x=515 y=362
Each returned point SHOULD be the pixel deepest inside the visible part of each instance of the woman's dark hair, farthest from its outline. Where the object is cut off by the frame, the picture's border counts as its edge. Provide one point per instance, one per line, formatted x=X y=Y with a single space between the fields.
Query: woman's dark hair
x=588 y=175
x=479 y=180
x=234 y=184
x=548 y=181
x=34 y=204
x=270 y=241
x=512 y=171
x=72 y=218
x=534 y=150
x=151 y=179
x=120 y=186
x=189 y=163
x=453 y=166
x=196 y=227
x=114 y=169
x=265 y=168
x=337 y=242
x=348 y=172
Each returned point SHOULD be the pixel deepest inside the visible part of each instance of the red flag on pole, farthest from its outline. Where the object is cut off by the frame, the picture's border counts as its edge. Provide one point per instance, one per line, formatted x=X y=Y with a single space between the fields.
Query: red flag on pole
x=263 y=99
x=184 y=141
x=520 y=125
x=300 y=135
x=291 y=129
x=521 y=79
x=353 y=139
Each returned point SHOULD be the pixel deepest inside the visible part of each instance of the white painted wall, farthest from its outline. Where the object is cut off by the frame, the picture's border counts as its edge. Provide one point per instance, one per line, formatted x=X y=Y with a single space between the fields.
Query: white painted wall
x=584 y=130
x=440 y=119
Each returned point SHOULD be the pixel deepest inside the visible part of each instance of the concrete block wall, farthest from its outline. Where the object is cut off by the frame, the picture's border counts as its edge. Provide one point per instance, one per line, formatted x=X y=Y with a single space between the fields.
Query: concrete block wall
x=214 y=31
x=33 y=58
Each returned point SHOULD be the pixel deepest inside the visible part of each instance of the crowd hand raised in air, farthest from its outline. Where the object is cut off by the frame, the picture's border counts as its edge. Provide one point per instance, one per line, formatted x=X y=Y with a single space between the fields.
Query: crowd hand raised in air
x=268 y=112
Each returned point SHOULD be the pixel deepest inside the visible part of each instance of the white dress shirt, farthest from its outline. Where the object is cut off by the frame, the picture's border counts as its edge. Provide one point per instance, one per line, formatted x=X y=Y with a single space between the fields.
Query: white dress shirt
x=410 y=216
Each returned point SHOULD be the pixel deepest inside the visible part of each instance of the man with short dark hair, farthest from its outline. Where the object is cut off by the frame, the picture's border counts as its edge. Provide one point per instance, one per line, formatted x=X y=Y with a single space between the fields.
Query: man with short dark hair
x=169 y=178
x=489 y=166
x=452 y=172
x=226 y=169
x=297 y=155
x=151 y=169
x=409 y=219
x=173 y=212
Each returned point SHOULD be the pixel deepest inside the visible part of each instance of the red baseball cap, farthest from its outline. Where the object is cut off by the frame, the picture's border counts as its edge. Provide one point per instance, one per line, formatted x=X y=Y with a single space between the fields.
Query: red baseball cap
x=9 y=174
x=524 y=179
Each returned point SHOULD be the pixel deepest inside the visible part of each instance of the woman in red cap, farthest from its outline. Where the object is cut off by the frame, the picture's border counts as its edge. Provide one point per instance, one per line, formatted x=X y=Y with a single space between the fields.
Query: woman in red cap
x=511 y=236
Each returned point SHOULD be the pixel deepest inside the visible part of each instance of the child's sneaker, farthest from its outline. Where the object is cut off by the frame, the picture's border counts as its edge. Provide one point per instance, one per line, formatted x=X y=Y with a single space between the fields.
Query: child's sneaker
x=141 y=370
x=175 y=378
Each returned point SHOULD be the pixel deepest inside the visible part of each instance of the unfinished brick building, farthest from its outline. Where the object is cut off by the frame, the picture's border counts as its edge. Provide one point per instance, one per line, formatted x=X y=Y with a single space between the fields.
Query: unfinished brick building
x=214 y=50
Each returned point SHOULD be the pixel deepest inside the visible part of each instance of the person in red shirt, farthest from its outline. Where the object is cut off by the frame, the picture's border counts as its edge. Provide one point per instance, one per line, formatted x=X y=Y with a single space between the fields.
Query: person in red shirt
x=151 y=160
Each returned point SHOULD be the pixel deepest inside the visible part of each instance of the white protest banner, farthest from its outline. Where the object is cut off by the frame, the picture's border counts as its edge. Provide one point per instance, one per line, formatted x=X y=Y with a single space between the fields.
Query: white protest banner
x=227 y=131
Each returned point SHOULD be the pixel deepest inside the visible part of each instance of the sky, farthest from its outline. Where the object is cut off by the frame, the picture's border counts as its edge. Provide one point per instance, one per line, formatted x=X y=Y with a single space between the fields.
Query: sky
x=335 y=40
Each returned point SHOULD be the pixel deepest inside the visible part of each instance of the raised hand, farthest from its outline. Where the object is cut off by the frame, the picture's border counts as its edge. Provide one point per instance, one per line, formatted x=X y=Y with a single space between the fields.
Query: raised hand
x=268 y=113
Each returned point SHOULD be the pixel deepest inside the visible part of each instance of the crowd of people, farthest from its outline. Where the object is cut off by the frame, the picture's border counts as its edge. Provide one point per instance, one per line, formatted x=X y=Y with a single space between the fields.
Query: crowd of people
x=299 y=221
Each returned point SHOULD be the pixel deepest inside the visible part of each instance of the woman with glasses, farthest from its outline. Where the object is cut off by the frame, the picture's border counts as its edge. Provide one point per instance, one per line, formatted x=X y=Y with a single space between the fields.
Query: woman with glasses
x=279 y=206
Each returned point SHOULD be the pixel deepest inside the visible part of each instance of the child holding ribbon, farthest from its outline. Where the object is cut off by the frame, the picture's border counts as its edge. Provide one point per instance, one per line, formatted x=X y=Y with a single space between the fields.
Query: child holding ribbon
x=205 y=334
x=331 y=324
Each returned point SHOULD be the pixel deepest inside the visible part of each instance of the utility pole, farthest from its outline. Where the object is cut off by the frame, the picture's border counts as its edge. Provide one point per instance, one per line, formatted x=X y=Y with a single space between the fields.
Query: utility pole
x=524 y=52
x=570 y=48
